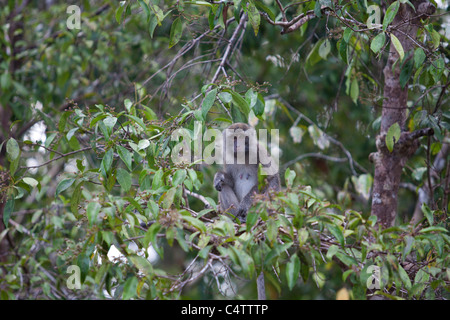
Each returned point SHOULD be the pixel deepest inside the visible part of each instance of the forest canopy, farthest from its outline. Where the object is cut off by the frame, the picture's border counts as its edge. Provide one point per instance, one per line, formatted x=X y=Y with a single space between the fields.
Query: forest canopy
x=96 y=100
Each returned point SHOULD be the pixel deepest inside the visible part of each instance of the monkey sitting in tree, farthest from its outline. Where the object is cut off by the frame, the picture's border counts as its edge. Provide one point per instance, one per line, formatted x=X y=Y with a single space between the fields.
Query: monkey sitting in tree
x=238 y=182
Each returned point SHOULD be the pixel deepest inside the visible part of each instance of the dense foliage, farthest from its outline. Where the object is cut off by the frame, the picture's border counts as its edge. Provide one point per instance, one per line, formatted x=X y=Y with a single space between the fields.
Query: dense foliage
x=98 y=188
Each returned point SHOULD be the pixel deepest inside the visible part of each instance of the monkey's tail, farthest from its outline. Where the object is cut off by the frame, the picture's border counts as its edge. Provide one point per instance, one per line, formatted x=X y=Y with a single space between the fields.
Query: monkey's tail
x=260 y=286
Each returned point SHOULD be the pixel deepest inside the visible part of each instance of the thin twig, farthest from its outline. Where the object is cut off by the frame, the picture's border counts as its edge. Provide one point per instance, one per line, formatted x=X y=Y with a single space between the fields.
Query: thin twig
x=62 y=156
x=227 y=53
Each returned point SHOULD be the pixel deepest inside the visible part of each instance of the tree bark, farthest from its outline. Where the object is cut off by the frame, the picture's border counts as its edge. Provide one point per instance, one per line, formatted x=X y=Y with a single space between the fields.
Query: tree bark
x=389 y=165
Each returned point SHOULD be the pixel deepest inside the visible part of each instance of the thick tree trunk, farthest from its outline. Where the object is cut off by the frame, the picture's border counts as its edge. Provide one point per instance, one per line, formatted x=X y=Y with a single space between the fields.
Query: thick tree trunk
x=389 y=165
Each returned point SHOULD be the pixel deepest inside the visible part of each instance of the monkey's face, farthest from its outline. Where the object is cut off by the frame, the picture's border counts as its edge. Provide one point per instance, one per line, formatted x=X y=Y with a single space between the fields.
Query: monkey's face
x=240 y=144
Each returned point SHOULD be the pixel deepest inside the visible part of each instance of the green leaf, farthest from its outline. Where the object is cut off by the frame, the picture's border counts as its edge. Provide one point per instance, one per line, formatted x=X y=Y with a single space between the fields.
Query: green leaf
x=63 y=120
x=130 y=288
x=408 y=247
x=436 y=38
x=106 y=163
x=208 y=102
x=145 y=8
x=83 y=262
x=289 y=177
x=63 y=185
x=245 y=261
x=76 y=197
x=347 y=260
x=143 y=144
x=436 y=69
x=337 y=233
x=12 y=149
x=196 y=223
x=363 y=184
x=137 y=120
x=272 y=230
x=124 y=179
x=392 y=136
x=432 y=229
x=259 y=106
x=109 y=124
x=325 y=49
x=292 y=271
x=151 y=236
x=14 y=165
x=152 y=26
x=419 y=57
x=263 y=7
x=180 y=236
x=313 y=56
x=347 y=34
x=178 y=177
x=332 y=250
x=226 y=97
x=5 y=81
x=119 y=11
x=169 y=197
x=427 y=213
x=240 y=103
x=276 y=251
x=125 y=155
x=318 y=136
x=143 y=265
x=92 y=211
x=318 y=9
x=406 y=72
x=71 y=132
x=303 y=235
x=157 y=180
x=253 y=16
x=404 y=277
x=157 y=11
x=31 y=182
x=343 y=50
x=7 y=210
x=175 y=32
x=390 y=14
x=378 y=42
x=296 y=134
x=354 y=90
x=398 y=46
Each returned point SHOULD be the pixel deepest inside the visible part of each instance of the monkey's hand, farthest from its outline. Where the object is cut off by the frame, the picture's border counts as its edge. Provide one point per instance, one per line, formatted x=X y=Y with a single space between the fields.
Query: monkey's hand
x=219 y=180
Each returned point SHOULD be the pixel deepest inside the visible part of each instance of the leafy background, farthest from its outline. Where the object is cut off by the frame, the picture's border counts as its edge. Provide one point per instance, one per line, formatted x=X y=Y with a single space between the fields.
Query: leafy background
x=87 y=116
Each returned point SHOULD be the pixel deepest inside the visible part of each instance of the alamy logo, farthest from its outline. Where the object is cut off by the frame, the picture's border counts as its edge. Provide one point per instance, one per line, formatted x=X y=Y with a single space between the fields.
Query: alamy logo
x=374 y=280
x=74 y=20
x=74 y=281
x=231 y=147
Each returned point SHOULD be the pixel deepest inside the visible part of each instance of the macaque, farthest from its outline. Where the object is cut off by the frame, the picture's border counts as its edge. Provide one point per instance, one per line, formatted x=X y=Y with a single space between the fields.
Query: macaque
x=238 y=182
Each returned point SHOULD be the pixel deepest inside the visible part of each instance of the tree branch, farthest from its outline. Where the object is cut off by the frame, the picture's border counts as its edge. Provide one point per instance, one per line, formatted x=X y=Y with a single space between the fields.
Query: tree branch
x=62 y=156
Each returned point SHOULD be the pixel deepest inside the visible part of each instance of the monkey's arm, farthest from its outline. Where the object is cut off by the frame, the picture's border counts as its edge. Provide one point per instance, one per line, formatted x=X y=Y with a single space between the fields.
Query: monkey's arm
x=224 y=183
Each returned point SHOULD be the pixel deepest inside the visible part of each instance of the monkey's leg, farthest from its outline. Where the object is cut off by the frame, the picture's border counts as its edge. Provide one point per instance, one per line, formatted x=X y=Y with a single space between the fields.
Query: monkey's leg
x=228 y=200
x=245 y=204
